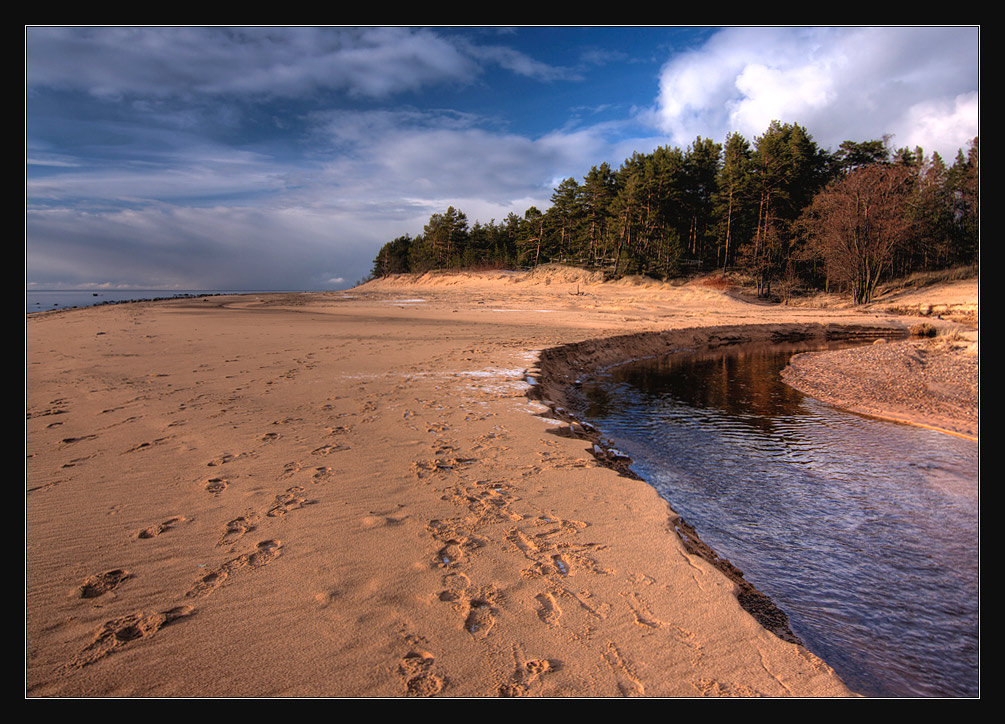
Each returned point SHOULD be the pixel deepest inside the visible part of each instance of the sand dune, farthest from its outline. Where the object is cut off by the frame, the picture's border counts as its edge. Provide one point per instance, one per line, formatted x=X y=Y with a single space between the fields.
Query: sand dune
x=352 y=494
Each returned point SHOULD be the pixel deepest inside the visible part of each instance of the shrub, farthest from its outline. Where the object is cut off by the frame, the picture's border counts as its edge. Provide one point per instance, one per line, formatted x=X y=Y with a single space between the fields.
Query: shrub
x=924 y=329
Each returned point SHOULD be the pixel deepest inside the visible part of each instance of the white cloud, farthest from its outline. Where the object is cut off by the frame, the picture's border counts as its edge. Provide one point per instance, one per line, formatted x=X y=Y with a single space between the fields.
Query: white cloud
x=284 y=62
x=38 y=160
x=313 y=206
x=520 y=63
x=942 y=124
x=840 y=83
x=165 y=187
x=441 y=158
x=382 y=174
x=192 y=175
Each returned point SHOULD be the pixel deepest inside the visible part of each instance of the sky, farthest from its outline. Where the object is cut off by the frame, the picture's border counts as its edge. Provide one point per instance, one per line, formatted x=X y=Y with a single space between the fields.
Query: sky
x=258 y=158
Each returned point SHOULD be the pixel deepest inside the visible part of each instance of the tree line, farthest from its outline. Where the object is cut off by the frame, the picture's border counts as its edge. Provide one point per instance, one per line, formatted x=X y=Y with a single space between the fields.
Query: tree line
x=780 y=210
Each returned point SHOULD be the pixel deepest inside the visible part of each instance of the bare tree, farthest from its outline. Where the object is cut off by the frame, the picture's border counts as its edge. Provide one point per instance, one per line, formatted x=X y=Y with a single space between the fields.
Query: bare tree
x=857 y=223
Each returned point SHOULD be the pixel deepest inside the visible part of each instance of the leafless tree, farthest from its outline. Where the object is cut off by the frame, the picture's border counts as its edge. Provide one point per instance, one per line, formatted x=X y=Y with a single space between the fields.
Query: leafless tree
x=857 y=223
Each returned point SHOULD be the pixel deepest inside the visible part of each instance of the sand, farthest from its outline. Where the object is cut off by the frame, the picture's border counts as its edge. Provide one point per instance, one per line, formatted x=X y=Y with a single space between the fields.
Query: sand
x=361 y=494
x=926 y=382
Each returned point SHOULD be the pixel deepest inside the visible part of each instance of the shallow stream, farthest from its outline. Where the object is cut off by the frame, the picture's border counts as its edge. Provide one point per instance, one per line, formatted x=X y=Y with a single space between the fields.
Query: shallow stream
x=864 y=532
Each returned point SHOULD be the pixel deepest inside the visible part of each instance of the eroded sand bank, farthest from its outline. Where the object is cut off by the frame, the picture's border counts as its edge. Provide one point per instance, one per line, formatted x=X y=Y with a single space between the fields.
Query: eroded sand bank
x=352 y=495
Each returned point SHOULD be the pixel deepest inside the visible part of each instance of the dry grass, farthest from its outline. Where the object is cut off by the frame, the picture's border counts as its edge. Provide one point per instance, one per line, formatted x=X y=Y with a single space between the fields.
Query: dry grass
x=920 y=280
x=924 y=329
x=717 y=281
x=562 y=274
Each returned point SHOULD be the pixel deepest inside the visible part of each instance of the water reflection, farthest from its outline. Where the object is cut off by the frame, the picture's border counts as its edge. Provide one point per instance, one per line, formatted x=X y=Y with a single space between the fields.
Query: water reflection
x=864 y=532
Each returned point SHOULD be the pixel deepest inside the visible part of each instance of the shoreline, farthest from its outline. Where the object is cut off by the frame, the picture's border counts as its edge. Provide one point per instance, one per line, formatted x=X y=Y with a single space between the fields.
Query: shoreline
x=591 y=357
x=928 y=383
x=320 y=495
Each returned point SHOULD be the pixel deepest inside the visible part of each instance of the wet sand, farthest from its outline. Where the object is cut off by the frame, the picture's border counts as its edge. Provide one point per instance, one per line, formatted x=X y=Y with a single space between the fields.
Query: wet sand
x=353 y=495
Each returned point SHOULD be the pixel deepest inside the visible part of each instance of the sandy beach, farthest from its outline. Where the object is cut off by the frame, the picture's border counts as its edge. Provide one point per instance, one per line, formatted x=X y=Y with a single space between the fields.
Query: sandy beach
x=384 y=492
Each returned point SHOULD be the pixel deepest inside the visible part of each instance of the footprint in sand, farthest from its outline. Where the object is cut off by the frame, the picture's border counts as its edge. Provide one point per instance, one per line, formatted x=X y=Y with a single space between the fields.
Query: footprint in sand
x=208 y=583
x=526 y=674
x=449 y=555
x=155 y=530
x=457 y=544
x=147 y=444
x=628 y=680
x=121 y=631
x=324 y=599
x=643 y=613
x=329 y=449
x=415 y=669
x=549 y=612
x=714 y=688
x=455 y=584
x=72 y=440
x=238 y=528
x=57 y=408
x=102 y=583
x=216 y=485
x=480 y=619
x=290 y=500
x=264 y=553
x=77 y=461
x=227 y=458
x=382 y=518
x=322 y=475
x=526 y=545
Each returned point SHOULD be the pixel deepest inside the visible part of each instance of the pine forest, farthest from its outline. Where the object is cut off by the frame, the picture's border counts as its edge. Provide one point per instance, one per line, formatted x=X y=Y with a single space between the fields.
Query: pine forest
x=779 y=211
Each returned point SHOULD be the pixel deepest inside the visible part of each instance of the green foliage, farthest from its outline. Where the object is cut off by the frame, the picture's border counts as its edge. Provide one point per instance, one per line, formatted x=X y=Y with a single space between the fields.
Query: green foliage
x=737 y=205
x=732 y=202
x=393 y=258
x=851 y=155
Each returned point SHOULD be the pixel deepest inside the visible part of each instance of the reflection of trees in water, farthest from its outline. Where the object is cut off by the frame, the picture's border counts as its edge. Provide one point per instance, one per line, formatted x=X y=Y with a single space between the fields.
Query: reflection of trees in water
x=742 y=381
x=830 y=514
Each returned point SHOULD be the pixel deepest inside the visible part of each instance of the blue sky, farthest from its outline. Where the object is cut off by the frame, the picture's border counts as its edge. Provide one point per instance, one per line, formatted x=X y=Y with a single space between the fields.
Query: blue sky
x=283 y=158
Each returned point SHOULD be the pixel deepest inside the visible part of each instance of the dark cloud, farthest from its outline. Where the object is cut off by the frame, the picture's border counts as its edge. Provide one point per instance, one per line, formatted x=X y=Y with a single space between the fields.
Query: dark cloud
x=284 y=158
x=194 y=248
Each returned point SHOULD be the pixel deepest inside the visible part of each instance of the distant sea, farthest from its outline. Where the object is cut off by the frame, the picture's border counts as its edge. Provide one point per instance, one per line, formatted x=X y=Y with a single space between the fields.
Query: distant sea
x=42 y=300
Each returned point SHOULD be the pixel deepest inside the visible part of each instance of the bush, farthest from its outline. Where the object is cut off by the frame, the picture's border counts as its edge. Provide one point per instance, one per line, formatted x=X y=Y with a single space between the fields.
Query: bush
x=924 y=329
x=717 y=281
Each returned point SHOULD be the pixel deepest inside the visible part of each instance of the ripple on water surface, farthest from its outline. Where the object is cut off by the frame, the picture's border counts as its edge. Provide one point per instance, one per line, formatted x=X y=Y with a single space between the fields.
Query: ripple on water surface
x=865 y=532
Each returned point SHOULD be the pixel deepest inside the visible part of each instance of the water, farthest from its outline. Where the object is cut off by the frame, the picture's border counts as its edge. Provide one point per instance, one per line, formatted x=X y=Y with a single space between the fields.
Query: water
x=864 y=532
x=45 y=300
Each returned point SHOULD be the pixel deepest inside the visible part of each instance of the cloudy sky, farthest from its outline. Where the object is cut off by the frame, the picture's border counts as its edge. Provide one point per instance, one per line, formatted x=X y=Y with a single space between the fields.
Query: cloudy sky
x=283 y=158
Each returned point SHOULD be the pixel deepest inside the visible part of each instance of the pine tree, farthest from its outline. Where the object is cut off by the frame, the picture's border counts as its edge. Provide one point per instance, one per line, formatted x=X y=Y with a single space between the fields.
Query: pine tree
x=446 y=234
x=565 y=219
x=964 y=185
x=789 y=169
x=393 y=257
x=598 y=192
x=701 y=169
x=732 y=200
